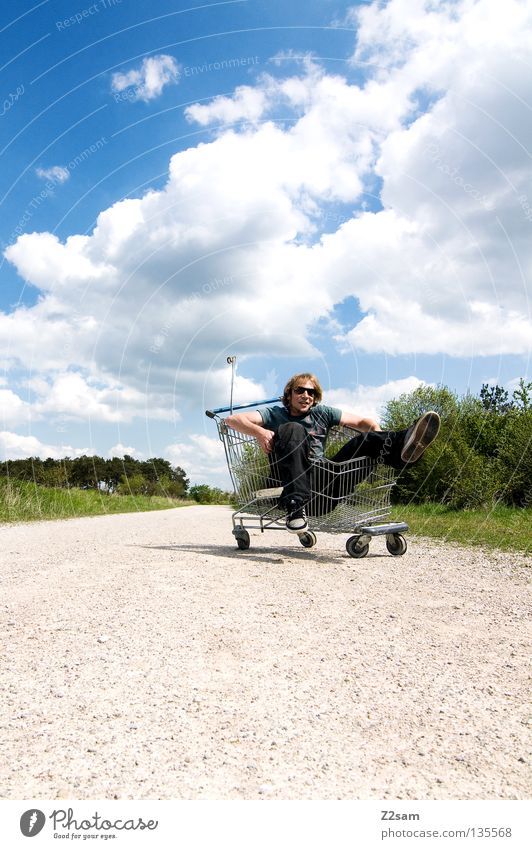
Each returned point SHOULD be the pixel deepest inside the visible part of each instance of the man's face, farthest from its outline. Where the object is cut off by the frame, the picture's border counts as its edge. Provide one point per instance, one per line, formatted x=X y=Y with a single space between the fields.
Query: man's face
x=300 y=401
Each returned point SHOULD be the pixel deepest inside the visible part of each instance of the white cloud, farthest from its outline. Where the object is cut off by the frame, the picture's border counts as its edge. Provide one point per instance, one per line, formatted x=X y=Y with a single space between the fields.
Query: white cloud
x=120 y=450
x=14 y=446
x=485 y=329
x=247 y=104
x=443 y=267
x=148 y=81
x=152 y=301
x=47 y=263
x=70 y=396
x=73 y=397
x=370 y=400
x=13 y=410
x=201 y=456
x=57 y=173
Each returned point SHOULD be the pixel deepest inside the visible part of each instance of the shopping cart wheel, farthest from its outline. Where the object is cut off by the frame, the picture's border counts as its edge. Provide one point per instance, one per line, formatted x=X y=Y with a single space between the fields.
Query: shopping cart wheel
x=308 y=539
x=396 y=544
x=242 y=539
x=355 y=548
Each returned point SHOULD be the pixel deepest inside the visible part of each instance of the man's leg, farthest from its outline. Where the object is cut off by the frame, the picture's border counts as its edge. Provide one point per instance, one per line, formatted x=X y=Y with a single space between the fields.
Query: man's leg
x=332 y=483
x=393 y=448
x=396 y=448
x=292 y=463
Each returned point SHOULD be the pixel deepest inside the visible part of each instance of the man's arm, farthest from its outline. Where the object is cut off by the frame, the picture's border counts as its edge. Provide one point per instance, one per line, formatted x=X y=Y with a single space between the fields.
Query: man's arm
x=361 y=423
x=251 y=424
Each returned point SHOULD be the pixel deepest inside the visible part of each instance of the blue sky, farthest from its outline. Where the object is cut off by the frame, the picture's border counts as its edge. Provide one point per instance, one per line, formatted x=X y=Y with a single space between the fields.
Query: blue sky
x=340 y=187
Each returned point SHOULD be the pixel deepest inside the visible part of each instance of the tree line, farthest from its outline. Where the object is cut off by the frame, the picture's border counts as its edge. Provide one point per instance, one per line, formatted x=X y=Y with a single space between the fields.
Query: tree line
x=122 y=475
x=119 y=475
x=483 y=454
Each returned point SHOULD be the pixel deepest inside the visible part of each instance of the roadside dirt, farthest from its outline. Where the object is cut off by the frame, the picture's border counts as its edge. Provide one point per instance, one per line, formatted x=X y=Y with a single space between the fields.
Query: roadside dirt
x=145 y=657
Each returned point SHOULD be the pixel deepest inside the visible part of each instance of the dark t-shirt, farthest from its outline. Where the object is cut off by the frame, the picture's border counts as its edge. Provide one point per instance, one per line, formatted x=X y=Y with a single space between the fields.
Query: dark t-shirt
x=317 y=422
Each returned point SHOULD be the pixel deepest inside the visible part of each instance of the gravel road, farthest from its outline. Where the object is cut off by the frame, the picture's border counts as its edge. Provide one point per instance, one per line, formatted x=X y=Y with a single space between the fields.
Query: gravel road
x=146 y=657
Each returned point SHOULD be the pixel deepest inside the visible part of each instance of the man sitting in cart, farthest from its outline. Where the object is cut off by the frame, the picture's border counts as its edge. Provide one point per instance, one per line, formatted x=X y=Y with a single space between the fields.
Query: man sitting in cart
x=294 y=436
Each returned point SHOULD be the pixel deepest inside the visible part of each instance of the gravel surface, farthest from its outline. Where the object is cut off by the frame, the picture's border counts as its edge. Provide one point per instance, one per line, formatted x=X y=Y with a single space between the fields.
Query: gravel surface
x=146 y=657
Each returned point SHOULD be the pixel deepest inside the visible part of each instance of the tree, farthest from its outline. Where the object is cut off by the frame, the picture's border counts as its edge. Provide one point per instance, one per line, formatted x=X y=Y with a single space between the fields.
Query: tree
x=205 y=494
x=515 y=458
x=133 y=485
x=112 y=473
x=401 y=412
x=460 y=468
x=523 y=395
x=495 y=398
x=87 y=472
x=157 y=470
x=150 y=477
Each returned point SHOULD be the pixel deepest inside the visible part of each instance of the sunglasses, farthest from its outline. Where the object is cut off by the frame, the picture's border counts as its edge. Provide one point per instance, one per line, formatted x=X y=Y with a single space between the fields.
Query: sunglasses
x=300 y=390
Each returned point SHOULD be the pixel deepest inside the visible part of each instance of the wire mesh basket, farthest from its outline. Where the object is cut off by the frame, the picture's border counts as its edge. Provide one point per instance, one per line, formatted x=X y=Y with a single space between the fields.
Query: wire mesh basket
x=352 y=496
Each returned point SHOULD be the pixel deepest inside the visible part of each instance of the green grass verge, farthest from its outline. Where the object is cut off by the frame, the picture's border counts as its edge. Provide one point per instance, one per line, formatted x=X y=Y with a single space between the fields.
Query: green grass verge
x=22 y=501
x=506 y=528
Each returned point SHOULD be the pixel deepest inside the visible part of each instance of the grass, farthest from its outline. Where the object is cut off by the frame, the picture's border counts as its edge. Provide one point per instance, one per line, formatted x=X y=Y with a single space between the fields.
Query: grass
x=23 y=501
x=505 y=528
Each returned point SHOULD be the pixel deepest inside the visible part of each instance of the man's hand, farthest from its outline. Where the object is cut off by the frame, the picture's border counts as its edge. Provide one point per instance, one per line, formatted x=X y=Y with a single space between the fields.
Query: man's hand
x=251 y=423
x=265 y=439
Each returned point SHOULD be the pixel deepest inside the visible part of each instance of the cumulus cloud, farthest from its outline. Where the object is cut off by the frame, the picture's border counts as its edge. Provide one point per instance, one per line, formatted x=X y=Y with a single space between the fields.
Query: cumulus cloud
x=13 y=410
x=202 y=456
x=71 y=396
x=448 y=256
x=14 y=446
x=120 y=450
x=370 y=400
x=247 y=104
x=57 y=173
x=154 y=299
x=148 y=81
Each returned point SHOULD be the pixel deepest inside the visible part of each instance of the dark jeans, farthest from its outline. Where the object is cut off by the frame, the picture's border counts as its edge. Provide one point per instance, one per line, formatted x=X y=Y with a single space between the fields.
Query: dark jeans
x=291 y=464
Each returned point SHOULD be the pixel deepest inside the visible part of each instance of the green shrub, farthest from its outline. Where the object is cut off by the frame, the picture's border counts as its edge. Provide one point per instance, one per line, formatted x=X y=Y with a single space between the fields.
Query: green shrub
x=133 y=485
x=401 y=412
x=514 y=456
x=460 y=468
x=205 y=494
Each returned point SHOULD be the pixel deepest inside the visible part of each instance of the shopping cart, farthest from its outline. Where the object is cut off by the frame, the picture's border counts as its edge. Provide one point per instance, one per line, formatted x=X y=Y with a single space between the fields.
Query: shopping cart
x=349 y=497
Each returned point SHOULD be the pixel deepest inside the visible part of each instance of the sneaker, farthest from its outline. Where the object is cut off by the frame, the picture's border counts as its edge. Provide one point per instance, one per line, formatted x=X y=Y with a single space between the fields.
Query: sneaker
x=419 y=436
x=296 y=520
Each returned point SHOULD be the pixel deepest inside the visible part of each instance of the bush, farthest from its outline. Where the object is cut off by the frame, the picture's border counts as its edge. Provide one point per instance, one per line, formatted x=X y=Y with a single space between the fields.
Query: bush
x=473 y=482
x=460 y=468
x=514 y=457
x=205 y=494
x=133 y=485
x=401 y=412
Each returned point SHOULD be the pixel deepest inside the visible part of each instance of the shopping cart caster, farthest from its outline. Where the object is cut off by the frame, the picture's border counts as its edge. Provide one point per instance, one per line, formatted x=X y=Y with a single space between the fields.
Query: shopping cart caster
x=308 y=539
x=242 y=538
x=357 y=546
x=396 y=544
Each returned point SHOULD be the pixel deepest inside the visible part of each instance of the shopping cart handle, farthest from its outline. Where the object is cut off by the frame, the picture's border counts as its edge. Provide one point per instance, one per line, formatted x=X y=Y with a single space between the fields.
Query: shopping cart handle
x=212 y=413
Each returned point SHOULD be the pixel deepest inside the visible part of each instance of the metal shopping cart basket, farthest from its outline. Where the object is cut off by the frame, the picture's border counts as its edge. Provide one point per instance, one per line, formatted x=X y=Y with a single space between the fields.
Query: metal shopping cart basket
x=349 y=497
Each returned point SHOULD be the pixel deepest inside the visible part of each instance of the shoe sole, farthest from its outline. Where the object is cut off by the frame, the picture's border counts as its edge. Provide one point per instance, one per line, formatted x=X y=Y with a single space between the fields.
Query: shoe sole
x=424 y=432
